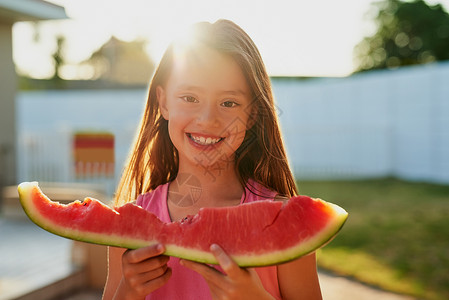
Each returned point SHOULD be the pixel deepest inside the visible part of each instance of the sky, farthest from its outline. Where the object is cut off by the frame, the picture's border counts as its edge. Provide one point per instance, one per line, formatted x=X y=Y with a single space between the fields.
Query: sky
x=295 y=37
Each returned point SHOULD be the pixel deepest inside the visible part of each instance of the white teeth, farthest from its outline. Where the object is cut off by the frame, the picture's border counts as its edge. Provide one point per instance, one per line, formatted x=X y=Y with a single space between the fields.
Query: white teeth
x=205 y=141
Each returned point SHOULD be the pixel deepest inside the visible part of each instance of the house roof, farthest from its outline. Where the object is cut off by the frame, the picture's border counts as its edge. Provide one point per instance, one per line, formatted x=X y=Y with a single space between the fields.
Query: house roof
x=29 y=10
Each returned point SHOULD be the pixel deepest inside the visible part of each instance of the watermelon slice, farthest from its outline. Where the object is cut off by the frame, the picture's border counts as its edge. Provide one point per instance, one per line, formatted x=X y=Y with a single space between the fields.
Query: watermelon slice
x=255 y=234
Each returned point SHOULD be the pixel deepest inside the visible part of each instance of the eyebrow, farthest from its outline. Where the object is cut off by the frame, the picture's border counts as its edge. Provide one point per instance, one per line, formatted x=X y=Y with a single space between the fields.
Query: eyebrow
x=190 y=87
x=237 y=92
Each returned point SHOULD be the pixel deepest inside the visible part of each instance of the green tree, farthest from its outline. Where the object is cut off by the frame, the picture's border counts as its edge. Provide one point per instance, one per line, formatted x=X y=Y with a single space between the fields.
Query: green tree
x=58 y=57
x=408 y=33
x=122 y=62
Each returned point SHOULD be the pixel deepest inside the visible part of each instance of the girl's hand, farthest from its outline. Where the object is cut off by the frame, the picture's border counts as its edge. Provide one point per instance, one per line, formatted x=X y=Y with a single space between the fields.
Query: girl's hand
x=144 y=270
x=237 y=283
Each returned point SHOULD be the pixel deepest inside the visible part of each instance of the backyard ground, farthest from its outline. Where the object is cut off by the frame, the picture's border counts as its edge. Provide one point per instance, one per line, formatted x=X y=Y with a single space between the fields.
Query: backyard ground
x=396 y=236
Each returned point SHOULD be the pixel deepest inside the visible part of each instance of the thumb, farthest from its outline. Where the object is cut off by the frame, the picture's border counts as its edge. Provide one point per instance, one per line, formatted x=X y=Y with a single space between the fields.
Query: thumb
x=228 y=265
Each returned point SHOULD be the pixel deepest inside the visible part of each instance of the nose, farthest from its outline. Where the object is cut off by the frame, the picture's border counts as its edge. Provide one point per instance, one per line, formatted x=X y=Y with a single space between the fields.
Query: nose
x=208 y=115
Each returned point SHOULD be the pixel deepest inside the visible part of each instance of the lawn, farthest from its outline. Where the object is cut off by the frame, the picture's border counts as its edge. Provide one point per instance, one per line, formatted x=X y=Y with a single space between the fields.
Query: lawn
x=396 y=236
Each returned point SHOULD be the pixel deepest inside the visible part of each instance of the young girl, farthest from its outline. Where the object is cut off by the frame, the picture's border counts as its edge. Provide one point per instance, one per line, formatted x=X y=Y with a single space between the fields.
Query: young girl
x=209 y=137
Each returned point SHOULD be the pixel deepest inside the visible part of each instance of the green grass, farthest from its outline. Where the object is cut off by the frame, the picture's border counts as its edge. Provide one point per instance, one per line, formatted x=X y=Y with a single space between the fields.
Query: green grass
x=396 y=236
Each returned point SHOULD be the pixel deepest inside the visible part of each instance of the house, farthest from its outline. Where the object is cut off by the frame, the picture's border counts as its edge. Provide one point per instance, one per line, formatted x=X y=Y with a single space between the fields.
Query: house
x=12 y=11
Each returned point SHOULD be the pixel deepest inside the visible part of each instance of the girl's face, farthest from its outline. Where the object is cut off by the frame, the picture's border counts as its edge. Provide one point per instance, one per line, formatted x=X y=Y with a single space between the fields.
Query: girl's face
x=206 y=101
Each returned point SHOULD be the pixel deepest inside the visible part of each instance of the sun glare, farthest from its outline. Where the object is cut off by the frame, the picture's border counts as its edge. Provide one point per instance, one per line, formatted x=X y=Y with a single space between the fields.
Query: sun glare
x=295 y=38
x=185 y=36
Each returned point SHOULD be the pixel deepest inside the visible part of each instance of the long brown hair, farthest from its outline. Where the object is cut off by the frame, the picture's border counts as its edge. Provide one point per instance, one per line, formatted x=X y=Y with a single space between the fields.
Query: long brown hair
x=154 y=160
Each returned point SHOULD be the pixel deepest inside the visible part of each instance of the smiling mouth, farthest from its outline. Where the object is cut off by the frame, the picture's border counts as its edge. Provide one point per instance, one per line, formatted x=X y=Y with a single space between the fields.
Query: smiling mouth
x=204 y=141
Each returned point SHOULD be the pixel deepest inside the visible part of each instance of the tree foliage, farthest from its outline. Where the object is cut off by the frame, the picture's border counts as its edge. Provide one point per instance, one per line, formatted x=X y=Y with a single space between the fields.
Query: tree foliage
x=122 y=62
x=58 y=57
x=408 y=33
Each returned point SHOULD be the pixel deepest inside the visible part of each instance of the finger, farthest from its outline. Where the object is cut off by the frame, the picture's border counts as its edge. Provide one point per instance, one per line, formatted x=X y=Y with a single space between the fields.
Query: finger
x=152 y=263
x=227 y=264
x=138 y=255
x=155 y=283
x=144 y=277
x=142 y=269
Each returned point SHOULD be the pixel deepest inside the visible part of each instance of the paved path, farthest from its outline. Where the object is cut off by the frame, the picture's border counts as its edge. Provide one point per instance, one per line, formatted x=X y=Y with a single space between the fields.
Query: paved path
x=341 y=288
x=37 y=258
x=31 y=258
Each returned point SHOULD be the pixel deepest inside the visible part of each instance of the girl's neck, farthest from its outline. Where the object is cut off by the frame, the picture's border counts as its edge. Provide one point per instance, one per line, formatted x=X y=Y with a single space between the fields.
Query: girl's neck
x=216 y=185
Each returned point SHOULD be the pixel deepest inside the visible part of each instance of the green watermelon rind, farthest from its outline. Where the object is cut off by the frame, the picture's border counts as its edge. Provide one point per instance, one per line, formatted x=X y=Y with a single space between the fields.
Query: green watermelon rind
x=250 y=260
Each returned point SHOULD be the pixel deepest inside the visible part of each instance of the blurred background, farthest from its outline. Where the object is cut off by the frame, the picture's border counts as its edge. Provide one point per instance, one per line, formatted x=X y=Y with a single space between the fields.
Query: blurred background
x=362 y=93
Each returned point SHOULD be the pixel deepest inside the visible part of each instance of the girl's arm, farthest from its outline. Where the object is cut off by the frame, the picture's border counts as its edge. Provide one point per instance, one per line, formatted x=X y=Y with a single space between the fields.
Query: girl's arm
x=298 y=279
x=114 y=272
x=133 y=274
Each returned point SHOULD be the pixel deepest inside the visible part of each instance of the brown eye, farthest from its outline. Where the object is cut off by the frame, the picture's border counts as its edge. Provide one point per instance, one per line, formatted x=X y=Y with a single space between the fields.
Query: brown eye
x=229 y=103
x=189 y=99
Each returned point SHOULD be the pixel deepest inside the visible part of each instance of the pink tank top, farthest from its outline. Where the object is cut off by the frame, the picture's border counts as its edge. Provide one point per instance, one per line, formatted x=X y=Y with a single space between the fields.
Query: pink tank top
x=185 y=283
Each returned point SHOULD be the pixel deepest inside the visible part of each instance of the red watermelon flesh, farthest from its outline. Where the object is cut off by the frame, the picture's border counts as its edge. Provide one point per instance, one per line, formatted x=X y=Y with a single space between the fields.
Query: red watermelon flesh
x=254 y=234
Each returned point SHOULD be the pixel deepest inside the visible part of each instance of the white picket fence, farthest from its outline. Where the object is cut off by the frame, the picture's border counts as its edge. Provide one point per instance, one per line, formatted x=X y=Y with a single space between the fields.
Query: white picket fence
x=384 y=123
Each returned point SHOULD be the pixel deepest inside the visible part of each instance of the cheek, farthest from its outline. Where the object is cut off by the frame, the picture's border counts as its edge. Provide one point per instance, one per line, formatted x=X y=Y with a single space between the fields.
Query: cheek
x=236 y=130
x=176 y=125
x=178 y=116
x=237 y=124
